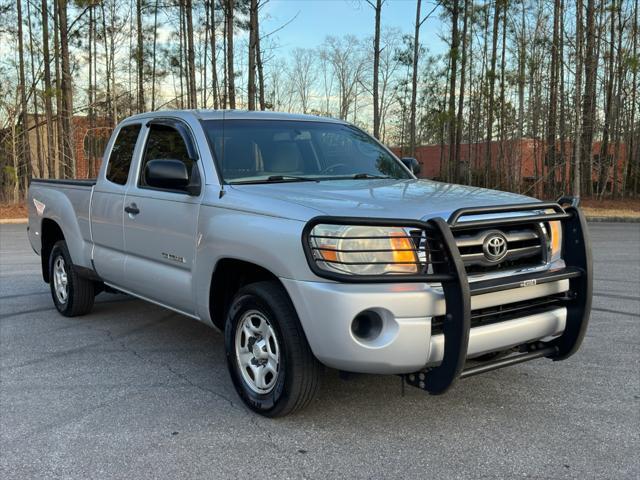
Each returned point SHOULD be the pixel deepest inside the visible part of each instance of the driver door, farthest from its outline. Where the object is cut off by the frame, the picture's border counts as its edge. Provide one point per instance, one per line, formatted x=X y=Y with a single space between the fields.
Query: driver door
x=160 y=226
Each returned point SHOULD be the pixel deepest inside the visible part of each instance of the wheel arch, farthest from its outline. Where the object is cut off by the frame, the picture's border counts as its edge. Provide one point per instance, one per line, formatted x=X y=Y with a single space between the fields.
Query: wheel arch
x=229 y=275
x=50 y=232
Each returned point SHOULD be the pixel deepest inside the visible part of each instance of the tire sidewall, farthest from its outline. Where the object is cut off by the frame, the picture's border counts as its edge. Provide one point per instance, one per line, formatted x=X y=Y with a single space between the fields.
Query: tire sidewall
x=60 y=250
x=261 y=403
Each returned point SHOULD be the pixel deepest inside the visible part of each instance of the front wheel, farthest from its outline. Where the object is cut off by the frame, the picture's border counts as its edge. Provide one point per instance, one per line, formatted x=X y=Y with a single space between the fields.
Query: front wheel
x=72 y=294
x=270 y=362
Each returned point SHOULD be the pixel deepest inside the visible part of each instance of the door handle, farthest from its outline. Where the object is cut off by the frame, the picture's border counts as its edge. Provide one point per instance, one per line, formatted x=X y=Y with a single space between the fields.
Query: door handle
x=132 y=209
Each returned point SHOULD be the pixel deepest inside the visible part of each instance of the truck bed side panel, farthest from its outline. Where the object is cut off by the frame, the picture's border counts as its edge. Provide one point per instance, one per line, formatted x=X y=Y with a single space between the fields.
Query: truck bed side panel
x=67 y=204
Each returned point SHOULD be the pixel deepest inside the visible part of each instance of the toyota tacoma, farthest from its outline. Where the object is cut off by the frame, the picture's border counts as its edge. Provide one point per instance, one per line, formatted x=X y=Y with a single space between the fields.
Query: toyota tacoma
x=309 y=243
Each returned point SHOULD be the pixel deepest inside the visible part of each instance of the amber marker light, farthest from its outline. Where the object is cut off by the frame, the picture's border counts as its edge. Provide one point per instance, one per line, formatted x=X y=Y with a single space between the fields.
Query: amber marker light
x=404 y=253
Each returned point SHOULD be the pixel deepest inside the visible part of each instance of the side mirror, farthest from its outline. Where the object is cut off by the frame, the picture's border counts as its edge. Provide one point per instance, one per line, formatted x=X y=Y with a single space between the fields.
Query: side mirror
x=166 y=173
x=412 y=164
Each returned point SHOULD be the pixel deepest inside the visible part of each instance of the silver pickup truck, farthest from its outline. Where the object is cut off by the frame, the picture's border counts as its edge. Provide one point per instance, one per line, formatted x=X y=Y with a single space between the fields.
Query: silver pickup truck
x=309 y=243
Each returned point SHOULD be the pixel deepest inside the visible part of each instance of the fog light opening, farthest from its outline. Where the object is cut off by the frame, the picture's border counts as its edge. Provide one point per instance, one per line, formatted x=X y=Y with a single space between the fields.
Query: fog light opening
x=367 y=325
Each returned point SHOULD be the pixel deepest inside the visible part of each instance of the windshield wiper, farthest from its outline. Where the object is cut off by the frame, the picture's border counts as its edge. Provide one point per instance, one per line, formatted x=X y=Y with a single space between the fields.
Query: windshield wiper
x=359 y=176
x=280 y=178
x=275 y=179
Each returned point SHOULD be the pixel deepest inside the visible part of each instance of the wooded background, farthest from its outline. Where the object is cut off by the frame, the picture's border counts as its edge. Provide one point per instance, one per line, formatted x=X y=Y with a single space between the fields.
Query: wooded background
x=562 y=75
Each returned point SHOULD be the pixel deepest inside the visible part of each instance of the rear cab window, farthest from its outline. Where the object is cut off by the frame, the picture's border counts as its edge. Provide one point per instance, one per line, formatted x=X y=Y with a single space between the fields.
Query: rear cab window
x=121 y=156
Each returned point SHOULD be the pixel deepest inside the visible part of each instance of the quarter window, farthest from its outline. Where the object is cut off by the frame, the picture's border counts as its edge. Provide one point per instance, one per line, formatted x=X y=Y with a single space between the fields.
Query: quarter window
x=122 y=154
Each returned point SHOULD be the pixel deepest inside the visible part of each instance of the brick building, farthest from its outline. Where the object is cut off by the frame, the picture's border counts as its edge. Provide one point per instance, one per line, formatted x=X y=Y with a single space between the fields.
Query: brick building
x=89 y=142
x=520 y=159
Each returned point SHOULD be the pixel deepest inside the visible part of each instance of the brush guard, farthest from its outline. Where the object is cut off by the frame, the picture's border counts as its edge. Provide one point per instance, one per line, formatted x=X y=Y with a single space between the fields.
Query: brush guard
x=450 y=272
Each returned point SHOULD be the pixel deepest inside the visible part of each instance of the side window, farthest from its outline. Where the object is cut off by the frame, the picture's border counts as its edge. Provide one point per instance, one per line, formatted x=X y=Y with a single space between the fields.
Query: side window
x=166 y=143
x=122 y=154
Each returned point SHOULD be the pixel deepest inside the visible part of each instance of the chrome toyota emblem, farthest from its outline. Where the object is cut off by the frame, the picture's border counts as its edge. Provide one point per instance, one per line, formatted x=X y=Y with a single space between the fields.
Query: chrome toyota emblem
x=494 y=247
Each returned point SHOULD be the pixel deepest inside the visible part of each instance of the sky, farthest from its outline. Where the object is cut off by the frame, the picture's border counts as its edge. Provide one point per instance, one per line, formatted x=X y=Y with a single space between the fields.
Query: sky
x=315 y=19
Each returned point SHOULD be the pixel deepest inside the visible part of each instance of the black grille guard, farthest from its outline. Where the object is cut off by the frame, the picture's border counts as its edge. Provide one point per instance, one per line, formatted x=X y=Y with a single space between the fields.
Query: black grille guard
x=458 y=291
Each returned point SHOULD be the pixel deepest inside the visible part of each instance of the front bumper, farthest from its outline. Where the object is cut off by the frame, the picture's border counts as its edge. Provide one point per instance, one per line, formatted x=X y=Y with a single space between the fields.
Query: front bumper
x=435 y=359
x=406 y=344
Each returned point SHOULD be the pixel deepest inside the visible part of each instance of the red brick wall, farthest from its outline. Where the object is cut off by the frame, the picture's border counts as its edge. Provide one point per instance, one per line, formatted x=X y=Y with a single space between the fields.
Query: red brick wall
x=522 y=158
x=101 y=132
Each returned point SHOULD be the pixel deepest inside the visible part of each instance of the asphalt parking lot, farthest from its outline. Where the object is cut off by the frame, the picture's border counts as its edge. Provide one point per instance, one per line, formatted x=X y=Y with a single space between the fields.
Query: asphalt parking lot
x=134 y=391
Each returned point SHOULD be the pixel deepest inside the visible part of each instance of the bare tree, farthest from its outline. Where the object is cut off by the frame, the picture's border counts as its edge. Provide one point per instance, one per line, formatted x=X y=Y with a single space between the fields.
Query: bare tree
x=303 y=76
x=414 y=81
x=66 y=91
x=140 y=56
x=577 y=149
x=229 y=6
x=453 y=74
x=347 y=64
x=376 y=65
x=23 y=96
x=253 y=23
x=48 y=89
x=191 y=63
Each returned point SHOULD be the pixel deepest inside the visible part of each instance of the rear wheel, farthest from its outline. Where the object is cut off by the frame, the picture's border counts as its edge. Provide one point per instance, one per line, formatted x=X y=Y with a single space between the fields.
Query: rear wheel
x=269 y=359
x=72 y=294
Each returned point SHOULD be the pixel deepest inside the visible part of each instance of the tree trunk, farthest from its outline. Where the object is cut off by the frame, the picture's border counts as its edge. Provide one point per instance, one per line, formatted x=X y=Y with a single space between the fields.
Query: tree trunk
x=153 y=56
x=451 y=115
x=577 y=149
x=140 y=56
x=60 y=166
x=463 y=67
x=259 y=64
x=229 y=10
x=618 y=116
x=48 y=90
x=414 y=82
x=588 y=102
x=191 y=58
x=503 y=163
x=632 y=159
x=492 y=76
x=251 y=86
x=376 y=70
x=67 y=91
x=107 y=65
x=214 y=53
x=562 y=163
x=608 y=118
x=553 y=102
x=90 y=95
x=23 y=104
x=40 y=170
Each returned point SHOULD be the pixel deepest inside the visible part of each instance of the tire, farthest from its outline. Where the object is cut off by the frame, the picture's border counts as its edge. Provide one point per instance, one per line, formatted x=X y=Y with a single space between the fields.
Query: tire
x=262 y=321
x=72 y=294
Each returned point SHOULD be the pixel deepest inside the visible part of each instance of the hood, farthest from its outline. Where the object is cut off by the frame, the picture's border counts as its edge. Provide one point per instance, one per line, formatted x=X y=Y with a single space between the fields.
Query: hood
x=407 y=199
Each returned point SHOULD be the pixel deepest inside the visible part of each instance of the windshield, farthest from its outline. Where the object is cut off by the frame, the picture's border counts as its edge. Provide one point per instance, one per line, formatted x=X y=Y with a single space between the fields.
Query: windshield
x=256 y=151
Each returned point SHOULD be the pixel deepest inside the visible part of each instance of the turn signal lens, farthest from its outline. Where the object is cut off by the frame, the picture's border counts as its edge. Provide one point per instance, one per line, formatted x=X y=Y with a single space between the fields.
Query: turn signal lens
x=556 y=240
x=404 y=253
x=328 y=253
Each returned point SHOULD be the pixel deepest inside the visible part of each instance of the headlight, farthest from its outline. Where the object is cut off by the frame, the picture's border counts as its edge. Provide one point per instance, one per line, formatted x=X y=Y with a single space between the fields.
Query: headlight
x=364 y=250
